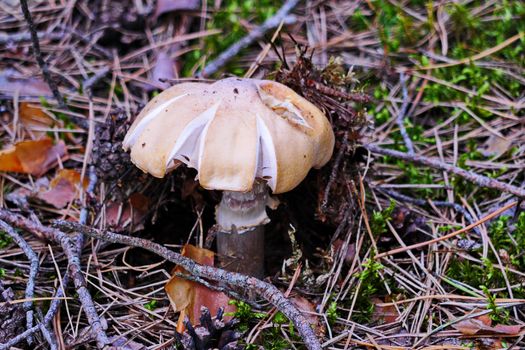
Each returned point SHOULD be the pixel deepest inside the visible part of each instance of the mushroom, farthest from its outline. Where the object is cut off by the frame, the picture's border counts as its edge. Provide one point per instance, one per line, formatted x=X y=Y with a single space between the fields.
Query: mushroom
x=242 y=136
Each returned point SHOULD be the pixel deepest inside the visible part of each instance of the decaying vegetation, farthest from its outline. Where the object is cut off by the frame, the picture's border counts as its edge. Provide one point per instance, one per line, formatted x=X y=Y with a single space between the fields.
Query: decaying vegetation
x=412 y=236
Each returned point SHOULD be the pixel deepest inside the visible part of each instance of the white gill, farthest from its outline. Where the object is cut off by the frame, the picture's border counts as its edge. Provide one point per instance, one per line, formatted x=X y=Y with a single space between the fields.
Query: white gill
x=190 y=143
x=131 y=137
x=266 y=166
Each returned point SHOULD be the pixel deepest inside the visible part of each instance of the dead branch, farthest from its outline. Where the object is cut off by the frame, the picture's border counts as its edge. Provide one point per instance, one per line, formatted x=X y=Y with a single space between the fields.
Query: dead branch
x=51 y=312
x=38 y=55
x=255 y=34
x=74 y=268
x=263 y=289
x=480 y=180
x=400 y=120
x=33 y=271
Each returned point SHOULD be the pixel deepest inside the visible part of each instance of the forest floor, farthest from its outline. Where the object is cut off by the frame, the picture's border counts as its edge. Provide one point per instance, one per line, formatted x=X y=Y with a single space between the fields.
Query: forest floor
x=411 y=237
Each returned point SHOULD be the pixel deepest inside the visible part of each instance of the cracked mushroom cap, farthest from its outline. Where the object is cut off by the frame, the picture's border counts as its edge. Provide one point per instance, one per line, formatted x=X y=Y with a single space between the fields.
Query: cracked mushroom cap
x=232 y=131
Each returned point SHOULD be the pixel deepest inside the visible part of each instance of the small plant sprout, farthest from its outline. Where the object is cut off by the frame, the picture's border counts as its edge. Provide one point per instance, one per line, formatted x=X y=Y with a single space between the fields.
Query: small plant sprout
x=243 y=136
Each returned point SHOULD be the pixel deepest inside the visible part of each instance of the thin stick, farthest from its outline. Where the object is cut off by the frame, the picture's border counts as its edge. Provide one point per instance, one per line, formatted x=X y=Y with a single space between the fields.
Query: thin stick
x=74 y=269
x=33 y=271
x=450 y=235
x=263 y=289
x=51 y=312
x=334 y=171
x=437 y=164
x=402 y=113
x=422 y=202
x=469 y=60
x=88 y=84
x=38 y=55
x=246 y=41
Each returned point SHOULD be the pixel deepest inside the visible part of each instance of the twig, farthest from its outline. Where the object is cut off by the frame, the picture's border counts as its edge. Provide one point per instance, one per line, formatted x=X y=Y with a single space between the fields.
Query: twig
x=6 y=38
x=47 y=332
x=51 y=312
x=402 y=113
x=263 y=289
x=255 y=34
x=216 y=288
x=33 y=271
x=73 y=266
x=81 y=288
x=335 y=168
x=436 y=164
x=422 y=202
x=471 y=59
x=84 y=211
x=88 y=84
x=445 y=237
x=38 y=55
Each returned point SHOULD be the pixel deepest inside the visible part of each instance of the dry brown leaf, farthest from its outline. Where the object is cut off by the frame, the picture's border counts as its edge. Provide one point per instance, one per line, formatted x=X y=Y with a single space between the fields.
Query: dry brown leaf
x=120 y=215
x=187 y=297
x=308 y=308
x=384 y=314
x=496 y=145
x=33 y=118
x=476 y=326
x=485 y=319
x=32 y=157
x=350 y=251
x=64 y=188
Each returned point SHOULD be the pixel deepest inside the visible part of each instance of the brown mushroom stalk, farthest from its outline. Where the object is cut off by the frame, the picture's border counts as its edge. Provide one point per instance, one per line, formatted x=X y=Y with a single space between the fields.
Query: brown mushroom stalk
x=240 y=219
x=243 y=136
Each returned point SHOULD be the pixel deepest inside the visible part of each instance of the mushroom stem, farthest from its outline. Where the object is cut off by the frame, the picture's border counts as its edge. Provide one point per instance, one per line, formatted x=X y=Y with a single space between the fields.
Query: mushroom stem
x=240 y=240
x=242 y=253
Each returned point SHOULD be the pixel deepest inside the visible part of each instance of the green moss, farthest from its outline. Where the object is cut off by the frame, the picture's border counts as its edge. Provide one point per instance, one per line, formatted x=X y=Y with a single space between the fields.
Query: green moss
x=228 y=19
x=5 y=239
x=378 y=222
x=372 y=284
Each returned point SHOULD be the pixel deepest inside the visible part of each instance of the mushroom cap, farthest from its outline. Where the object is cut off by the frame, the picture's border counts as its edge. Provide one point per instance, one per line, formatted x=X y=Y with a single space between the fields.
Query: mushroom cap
x=232 y=131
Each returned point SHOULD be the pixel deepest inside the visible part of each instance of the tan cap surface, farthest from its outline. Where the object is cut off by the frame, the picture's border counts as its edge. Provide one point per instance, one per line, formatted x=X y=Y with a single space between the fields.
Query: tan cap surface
x=232 y=131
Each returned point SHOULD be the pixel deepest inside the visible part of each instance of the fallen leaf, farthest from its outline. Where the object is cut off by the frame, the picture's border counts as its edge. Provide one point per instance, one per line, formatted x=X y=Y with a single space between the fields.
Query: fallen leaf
x=384 y=314
x=187 y=297
x=34 y=157
x=121 y=215
x=496 y=146
x=63 y=189
x=350 y=251
x=21 y=195
x=11 y=82
x=485 y=319
x=163 y=69
x=33 y=118
x=476 y=326
x=308 y=308
x=164 y=6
